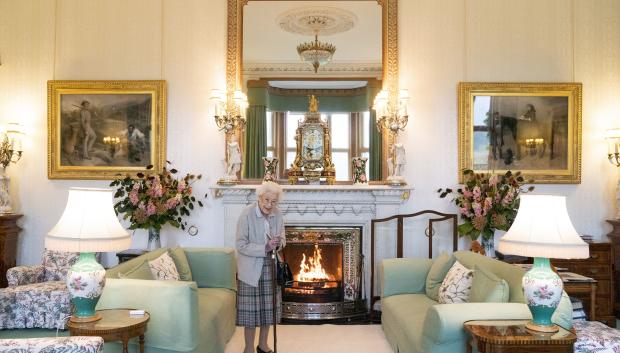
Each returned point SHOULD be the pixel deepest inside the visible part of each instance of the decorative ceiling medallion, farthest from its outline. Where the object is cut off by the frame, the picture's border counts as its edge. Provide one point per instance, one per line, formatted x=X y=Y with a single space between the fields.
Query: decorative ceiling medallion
x=311 y=20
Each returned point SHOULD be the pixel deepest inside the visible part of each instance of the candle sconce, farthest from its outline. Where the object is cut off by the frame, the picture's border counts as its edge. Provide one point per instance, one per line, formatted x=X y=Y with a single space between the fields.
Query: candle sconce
x=113 y=143
x=10 y=152
x=613 y=146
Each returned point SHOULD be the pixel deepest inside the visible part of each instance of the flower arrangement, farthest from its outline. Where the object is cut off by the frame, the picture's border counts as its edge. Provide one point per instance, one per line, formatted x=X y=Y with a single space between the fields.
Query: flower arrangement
x=487 y=202
x=152 y=200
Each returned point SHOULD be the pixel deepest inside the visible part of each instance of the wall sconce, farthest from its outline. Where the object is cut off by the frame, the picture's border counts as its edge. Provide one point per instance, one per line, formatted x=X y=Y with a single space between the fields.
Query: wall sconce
x=613 y=146
x=613 y=155
x=10 y=152
x=229 y=116
x=392 y=117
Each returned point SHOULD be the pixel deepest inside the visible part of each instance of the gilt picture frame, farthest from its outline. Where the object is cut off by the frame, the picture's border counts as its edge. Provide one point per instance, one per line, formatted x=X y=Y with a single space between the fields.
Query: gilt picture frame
x=534 y=128
x=105 y=129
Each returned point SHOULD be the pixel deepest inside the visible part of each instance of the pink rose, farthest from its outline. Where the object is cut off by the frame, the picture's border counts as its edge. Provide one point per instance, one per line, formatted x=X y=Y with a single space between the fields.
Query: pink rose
x=151 y=209
x=181 y=186
x=133 y=197
x=477 y=193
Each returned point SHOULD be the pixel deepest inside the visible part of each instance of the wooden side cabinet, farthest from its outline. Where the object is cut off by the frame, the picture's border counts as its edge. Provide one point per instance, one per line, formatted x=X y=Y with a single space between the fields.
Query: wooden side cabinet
x=9 y=231
x=600 y=267
x=614 y=237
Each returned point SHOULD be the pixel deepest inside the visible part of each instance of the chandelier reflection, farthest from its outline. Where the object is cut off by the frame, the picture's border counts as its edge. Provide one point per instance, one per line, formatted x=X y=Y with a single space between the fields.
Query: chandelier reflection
x=391 y=117
x=229 y=116
x=316 y=53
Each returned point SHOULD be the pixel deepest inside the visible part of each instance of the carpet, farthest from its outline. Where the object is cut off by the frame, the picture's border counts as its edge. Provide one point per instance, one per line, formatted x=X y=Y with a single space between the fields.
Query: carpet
x=321 y=338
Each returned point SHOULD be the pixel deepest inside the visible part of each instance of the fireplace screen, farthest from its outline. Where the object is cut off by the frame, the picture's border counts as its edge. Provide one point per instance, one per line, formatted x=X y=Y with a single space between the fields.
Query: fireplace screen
x=327 y=271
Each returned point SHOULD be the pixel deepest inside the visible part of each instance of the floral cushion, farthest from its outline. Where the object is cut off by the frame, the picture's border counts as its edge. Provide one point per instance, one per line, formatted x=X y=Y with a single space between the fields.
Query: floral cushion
x=41 y=305
x=16 y=276
x=163 y=268
x=72 y=344
x=57 y=264
x=594 y=336
x=456 y=286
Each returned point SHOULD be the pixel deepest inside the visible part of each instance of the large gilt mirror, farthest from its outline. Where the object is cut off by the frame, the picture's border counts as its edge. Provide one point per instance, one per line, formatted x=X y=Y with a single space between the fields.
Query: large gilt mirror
x=342 y=52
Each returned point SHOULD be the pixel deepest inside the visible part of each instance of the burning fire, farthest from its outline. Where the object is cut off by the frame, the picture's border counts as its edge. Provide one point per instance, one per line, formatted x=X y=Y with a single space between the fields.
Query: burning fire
x=313 y=270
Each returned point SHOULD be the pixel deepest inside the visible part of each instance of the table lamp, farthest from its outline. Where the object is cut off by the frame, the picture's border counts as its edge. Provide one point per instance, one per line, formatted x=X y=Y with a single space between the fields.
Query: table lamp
x=88 y=225
x=543 y=230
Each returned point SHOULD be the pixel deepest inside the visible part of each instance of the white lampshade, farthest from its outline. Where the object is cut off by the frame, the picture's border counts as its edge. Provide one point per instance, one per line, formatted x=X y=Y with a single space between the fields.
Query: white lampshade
x=542 y=228
x=88 y=224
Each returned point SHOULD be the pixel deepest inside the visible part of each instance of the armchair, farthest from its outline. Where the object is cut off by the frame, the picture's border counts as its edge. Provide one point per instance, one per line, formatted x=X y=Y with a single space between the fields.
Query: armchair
x=37 y=295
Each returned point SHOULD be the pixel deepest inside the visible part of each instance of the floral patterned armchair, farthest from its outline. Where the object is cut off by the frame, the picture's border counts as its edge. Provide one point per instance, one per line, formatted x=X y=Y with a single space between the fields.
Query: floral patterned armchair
x=72 y=344
x=37 y=296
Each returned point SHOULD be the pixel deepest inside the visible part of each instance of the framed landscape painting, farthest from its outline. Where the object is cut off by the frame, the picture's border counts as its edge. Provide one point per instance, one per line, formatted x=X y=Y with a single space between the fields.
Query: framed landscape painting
x=105 y=129
x=534 y=128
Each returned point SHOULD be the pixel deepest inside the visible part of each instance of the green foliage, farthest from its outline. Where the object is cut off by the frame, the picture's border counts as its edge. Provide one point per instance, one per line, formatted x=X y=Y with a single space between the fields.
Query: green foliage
x=487 y=202
x=152 y=200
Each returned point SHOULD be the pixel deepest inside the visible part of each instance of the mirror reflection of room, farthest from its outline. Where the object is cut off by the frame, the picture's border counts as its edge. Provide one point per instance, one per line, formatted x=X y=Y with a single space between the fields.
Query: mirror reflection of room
x=295 y=49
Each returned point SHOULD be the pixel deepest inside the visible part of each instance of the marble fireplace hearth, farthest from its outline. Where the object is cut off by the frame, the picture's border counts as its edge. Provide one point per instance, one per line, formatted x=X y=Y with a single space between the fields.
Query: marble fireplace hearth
x=320 y=206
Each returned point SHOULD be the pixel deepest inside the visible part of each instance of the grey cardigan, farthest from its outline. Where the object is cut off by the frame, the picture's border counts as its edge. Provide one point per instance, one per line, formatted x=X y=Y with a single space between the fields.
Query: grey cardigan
x=250 y=242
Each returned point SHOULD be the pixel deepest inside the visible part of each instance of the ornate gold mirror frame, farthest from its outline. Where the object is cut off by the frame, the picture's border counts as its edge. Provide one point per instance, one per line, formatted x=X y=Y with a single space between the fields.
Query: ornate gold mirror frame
x=389 y=9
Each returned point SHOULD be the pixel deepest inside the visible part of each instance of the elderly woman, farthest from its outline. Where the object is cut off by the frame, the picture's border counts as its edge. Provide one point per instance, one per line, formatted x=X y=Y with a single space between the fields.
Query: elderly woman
x=260 y=230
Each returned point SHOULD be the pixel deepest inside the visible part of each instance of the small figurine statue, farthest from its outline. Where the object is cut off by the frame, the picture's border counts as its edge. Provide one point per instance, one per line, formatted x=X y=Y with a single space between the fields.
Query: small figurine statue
x=359 y=170
x=313 y=107
x=234 y=159
x=396 y=164
x=271 y=168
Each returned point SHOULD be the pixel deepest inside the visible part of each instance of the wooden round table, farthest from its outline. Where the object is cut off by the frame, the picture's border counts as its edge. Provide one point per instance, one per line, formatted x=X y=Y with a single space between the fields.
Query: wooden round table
x=115 y=325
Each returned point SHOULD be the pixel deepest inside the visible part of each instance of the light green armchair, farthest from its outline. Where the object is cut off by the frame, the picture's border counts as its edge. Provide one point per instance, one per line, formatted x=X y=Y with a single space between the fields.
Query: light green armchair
x=413 y=322
x=186 y=316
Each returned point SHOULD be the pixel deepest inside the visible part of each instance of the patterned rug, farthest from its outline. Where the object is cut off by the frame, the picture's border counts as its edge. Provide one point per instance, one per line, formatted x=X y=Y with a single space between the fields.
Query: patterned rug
x=321 y=338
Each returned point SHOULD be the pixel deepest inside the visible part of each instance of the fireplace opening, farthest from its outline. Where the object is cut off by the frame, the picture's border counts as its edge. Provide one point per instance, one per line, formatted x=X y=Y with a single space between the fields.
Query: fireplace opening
x=326 y=263
x=317 y=272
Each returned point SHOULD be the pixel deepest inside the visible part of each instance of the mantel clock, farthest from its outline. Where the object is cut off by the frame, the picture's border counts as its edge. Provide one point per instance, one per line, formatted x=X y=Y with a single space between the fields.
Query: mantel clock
x=313 y=160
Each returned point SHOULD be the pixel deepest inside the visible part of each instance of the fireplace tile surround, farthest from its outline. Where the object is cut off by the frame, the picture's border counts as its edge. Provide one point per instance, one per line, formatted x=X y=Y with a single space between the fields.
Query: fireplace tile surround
x=318 y=206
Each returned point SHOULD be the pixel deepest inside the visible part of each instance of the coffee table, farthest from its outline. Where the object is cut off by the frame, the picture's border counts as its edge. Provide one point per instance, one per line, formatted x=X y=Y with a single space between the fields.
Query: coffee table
x=511 y=336
x=115 y=325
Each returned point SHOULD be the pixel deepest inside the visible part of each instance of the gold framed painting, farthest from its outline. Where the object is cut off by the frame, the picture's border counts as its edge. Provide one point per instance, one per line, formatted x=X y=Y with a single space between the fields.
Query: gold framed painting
x=105 y=129
x=534 y=128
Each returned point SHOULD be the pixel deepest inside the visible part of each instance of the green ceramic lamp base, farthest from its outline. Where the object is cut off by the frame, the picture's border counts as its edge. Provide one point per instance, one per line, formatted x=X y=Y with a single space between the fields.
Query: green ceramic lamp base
x=542 y=289
x=85 y=281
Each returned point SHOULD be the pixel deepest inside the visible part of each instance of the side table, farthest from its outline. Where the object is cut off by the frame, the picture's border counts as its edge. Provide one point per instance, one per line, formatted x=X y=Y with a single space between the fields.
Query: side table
x=583 y=288
x=129 y=254
x=511 y=336
x=115 y=325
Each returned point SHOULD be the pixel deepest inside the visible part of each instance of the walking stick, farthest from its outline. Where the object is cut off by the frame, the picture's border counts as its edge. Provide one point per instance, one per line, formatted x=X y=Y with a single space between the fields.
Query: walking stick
x=275 y=299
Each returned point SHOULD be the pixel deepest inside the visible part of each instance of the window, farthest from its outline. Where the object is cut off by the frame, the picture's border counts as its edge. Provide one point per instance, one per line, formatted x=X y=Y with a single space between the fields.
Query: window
x=350 y=136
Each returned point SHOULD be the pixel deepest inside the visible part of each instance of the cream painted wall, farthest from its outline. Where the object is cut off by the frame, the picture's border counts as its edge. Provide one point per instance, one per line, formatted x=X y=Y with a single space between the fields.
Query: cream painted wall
x=441 y=42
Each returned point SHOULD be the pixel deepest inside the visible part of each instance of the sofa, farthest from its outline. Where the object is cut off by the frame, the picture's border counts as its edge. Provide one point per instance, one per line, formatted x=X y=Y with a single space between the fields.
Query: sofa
x=414 y=322
x=186 y=316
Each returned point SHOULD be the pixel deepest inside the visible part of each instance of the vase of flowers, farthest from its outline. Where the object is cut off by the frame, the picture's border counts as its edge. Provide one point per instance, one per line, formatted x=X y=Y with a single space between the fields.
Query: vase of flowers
x=150 y=201
x=487 y=202
x=359 y=170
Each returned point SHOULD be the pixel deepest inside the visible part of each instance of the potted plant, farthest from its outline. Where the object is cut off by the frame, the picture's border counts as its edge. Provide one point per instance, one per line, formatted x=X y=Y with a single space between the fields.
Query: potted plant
x=149 y=201
x=487 y=202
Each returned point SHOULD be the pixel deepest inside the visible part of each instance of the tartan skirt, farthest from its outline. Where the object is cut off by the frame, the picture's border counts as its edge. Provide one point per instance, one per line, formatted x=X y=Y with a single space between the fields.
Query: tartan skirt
x=255 y=304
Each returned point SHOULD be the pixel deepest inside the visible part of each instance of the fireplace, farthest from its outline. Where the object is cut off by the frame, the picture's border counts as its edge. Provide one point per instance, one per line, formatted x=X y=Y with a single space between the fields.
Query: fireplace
x=327 y=271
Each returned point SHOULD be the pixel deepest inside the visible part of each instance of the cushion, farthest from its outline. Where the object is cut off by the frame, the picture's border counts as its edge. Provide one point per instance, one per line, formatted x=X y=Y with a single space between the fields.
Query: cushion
x=57 y=264
x=142 y=271
x=180 y=261
x=163 y=268
x=488 y=288
x=437 y=273
x=456 y=286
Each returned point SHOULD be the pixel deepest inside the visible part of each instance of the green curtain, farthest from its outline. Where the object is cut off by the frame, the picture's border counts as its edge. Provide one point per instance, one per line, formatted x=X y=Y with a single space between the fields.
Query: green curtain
x=376 y=147
x=255 y=142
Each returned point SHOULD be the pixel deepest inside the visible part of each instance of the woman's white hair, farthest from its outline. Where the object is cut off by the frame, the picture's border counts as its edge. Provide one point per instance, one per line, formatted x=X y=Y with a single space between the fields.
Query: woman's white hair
x=269 y=187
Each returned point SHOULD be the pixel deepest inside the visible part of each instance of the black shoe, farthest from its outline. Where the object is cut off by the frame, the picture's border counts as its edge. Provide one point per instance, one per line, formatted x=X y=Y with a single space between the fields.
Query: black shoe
x=258 y=350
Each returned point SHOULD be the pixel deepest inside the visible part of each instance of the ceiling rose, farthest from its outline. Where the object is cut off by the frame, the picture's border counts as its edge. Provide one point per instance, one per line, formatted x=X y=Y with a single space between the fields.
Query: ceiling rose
x=315 y=20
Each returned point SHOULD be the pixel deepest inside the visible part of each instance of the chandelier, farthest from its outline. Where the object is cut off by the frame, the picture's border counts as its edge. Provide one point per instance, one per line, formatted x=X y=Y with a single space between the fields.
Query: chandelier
x=316 y=53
